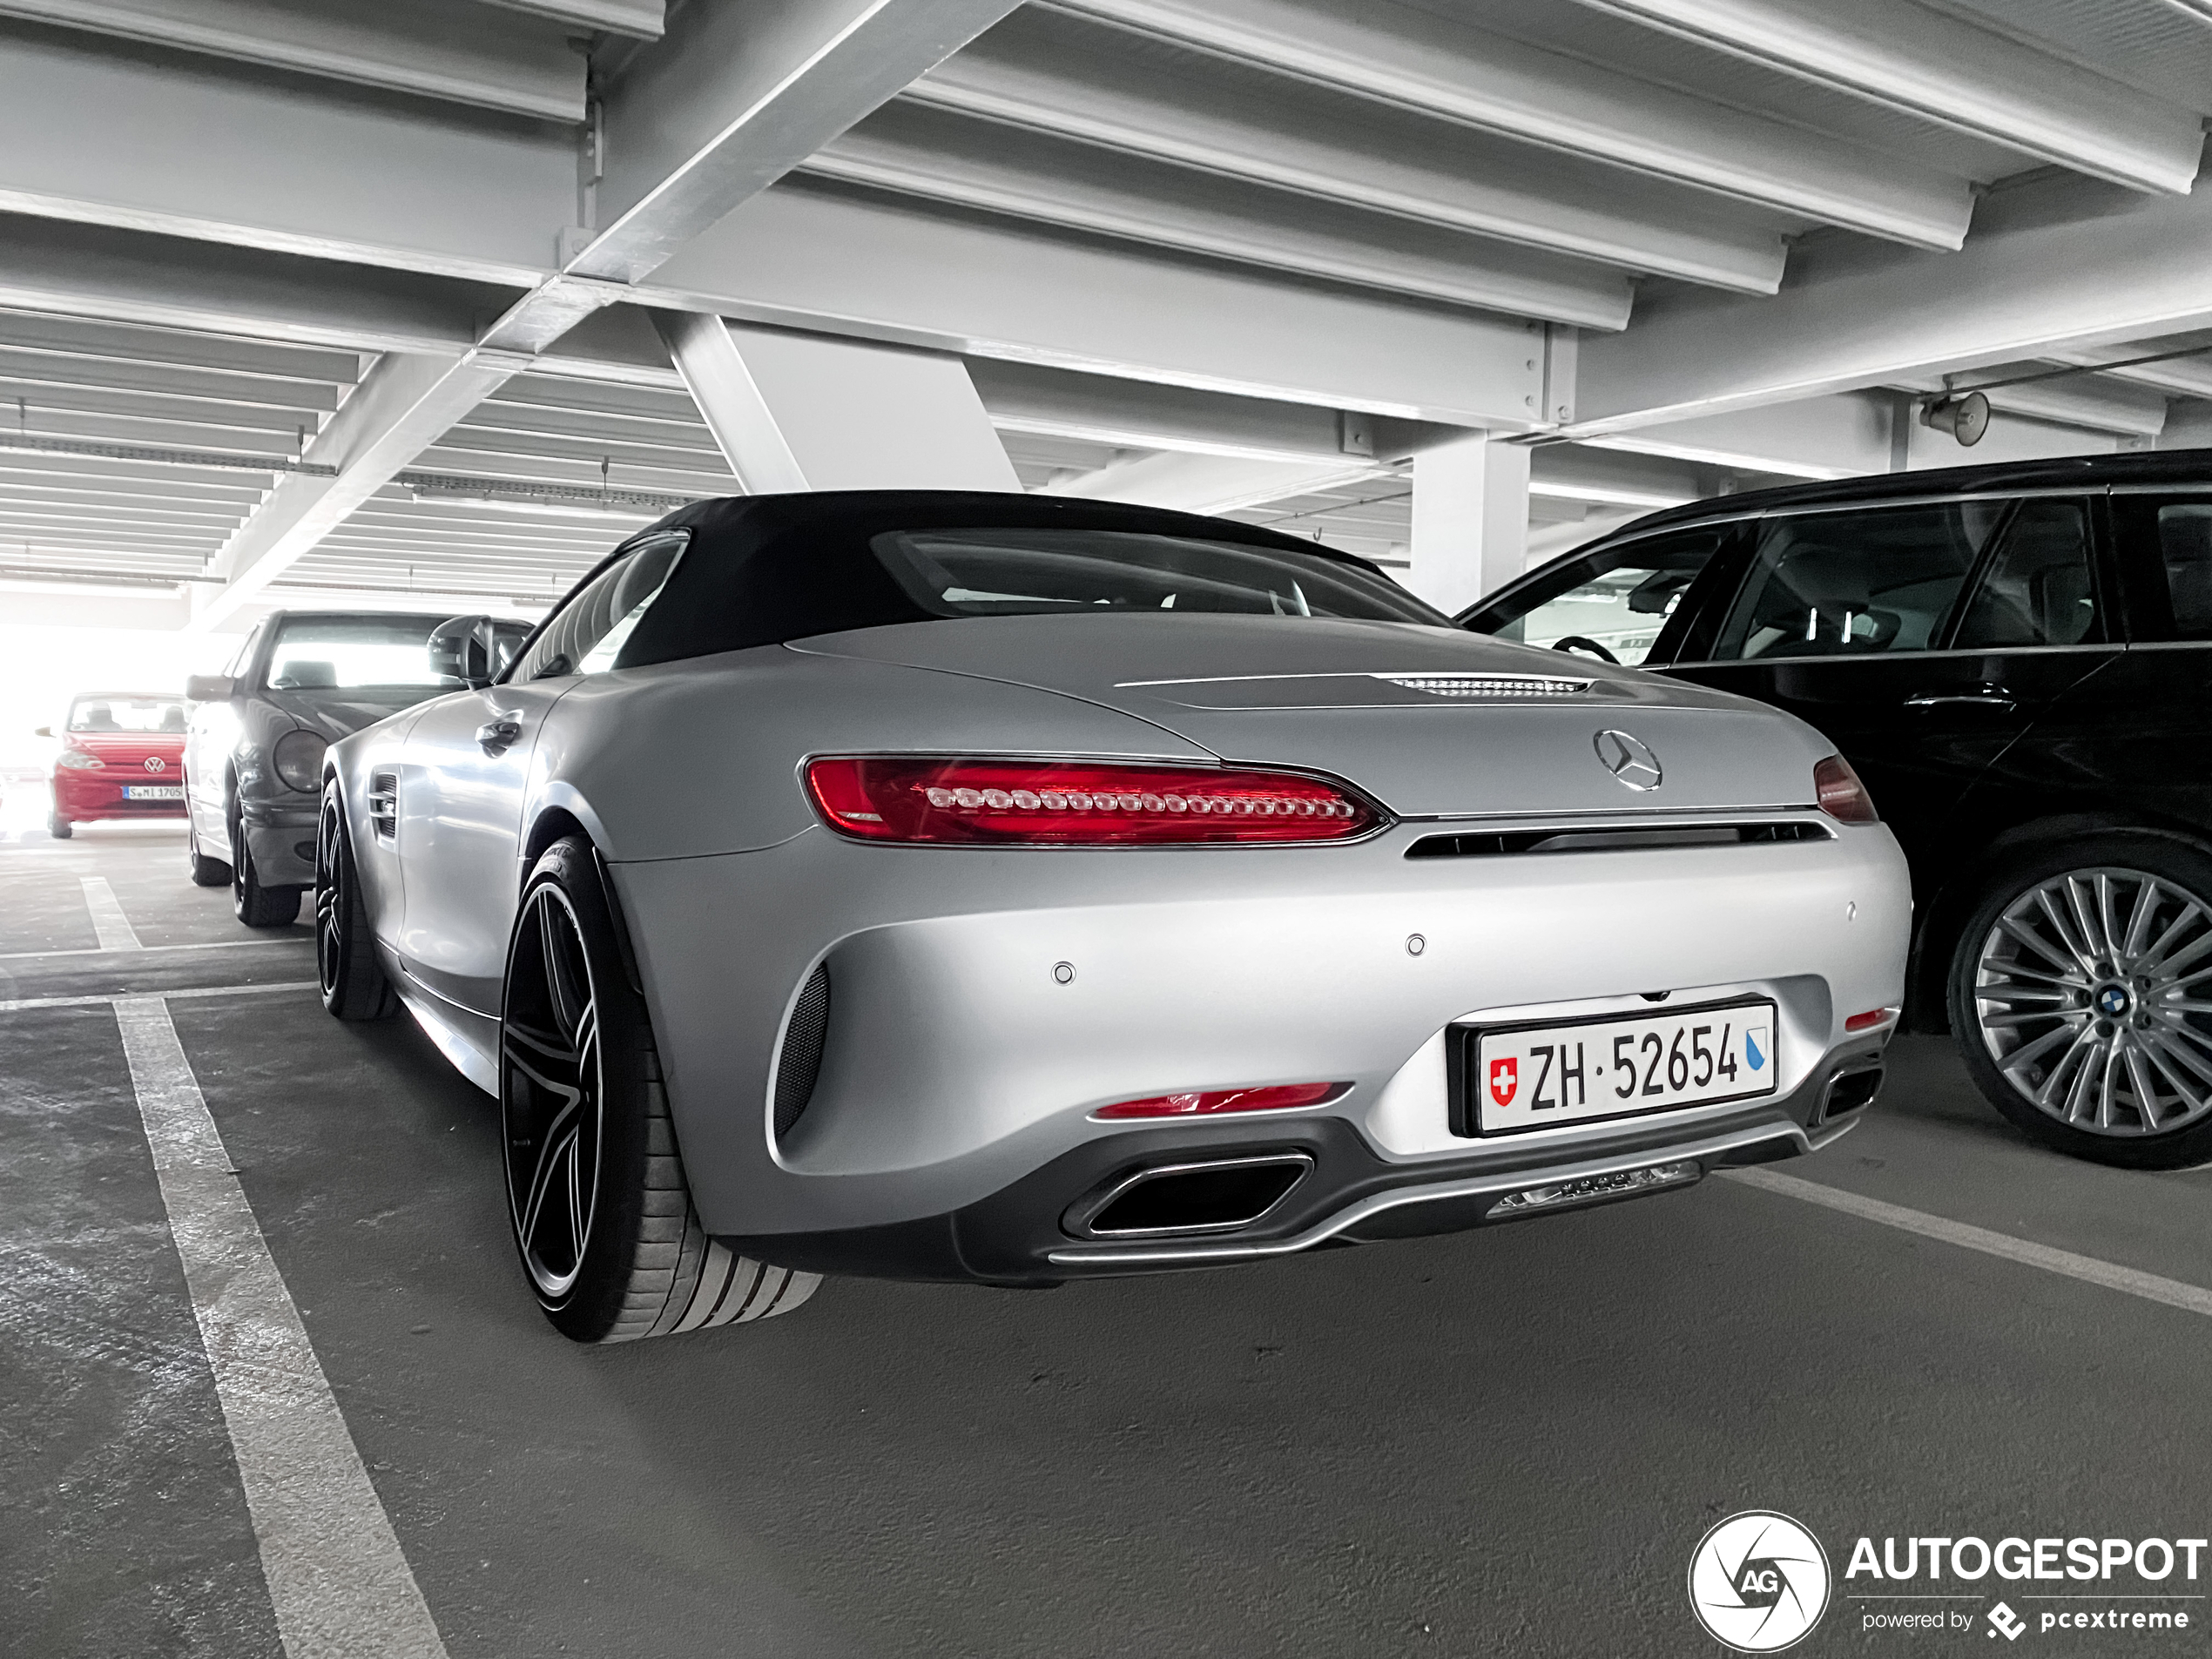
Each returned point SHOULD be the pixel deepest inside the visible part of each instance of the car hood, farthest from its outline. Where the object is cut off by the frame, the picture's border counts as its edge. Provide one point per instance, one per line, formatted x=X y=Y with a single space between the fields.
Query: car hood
x=1433 y=722
x=123 y=748
x=335 y=714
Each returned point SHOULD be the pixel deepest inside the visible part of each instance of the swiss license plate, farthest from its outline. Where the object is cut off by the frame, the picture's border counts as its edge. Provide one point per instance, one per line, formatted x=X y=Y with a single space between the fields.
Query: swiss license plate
x=153 y=791
x=1532 y=1076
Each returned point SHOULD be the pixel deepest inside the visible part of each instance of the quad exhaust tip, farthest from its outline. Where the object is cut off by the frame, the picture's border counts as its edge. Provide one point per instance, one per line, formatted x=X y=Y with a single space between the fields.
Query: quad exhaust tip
x=1171 y=1200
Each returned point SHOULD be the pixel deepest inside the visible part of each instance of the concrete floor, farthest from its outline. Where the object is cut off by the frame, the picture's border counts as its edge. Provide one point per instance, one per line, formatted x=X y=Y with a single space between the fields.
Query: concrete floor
x=1507 y=1441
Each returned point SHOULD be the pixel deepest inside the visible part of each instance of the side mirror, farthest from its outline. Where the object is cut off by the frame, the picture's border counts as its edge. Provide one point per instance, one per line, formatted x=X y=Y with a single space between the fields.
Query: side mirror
x=43 y=731
x=210 y=688
x=460 y=649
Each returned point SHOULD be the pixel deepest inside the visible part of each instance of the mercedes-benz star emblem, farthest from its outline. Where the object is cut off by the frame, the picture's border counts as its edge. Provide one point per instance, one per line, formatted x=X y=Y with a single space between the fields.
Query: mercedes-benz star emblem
x=155 y=763
x=1629 y=759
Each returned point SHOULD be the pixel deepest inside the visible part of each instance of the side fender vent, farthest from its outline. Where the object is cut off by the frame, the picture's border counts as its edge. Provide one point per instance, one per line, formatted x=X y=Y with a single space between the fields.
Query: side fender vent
x=384 y=804
x=800 y=1062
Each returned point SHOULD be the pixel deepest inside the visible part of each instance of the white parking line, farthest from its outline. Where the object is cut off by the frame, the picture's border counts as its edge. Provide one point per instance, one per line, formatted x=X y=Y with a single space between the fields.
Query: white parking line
x=2172 y=1291
x=340 y=1585
x=102 y=950
x=22 y=1003
x=110 y=926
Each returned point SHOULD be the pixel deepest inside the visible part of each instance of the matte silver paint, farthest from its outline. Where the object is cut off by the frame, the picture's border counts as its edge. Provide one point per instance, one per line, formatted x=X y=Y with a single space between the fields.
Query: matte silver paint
x=960 y=1058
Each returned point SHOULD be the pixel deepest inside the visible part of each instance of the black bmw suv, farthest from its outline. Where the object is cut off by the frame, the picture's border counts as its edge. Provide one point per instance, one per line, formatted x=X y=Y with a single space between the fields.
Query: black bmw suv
x=2018 y=661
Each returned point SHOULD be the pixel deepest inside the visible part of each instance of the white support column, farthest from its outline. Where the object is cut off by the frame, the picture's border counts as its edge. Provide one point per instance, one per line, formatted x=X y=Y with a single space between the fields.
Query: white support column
x=1470 y=520
x=796 y=412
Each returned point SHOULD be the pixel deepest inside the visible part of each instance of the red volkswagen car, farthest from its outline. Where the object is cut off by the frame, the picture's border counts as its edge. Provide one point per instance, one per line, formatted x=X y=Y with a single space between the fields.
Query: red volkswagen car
x=123 y=756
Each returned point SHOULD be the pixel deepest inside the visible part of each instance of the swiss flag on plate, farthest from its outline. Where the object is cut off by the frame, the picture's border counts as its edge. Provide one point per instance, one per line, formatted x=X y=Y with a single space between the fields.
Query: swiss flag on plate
x=1505 y=1080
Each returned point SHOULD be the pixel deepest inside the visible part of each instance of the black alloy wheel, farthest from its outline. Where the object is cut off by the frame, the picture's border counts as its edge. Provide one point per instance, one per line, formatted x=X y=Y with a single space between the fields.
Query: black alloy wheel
x=59 y=827
x=252 y=903
x=601 y=1214
x=353 y=983
x=2082 y=995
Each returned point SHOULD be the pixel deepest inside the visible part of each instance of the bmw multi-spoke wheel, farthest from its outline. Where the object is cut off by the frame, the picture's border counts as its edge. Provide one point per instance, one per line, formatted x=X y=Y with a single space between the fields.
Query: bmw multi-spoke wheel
x=601 y=1212
x=354 y=985
x=2081 y=993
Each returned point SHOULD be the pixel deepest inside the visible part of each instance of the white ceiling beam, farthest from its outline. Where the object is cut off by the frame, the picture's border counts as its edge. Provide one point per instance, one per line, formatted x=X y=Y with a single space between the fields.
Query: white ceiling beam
x=459 y=53
x=1414 y=58
x=1123 y=414
x=809 y=257
x=226 y=154
x=94 y=271
x=401 y=405
x=639 y=19
x=2183 y=377
x=1915 y=58
x=985 y=165
x=1080 y=80
x=2051 y=266
x=1201 y=484
x=736 y=95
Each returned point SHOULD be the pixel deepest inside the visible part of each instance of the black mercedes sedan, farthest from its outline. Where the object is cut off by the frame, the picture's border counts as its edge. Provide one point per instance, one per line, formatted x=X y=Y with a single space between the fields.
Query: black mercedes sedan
x=2017 y=660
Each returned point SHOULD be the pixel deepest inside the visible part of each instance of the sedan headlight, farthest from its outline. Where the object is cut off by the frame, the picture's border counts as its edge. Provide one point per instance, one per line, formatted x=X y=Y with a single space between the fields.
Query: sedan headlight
x=78 y=760
x=298 y=760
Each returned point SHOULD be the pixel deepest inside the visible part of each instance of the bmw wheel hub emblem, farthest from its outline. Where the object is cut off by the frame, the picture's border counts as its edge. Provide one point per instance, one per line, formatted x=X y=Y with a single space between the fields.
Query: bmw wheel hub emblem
x=1630 y=759
x=2113 y=1002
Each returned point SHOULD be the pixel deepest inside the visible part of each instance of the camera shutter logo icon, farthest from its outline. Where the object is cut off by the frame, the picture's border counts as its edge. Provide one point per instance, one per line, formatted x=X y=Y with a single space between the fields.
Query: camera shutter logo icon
x=1759 y=1582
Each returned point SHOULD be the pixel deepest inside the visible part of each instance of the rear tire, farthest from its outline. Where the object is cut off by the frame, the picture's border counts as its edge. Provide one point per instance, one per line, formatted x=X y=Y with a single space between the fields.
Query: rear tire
x=353 y=983
x=596 y=1200
x=59 y=827
x=2071 y=992
x=253 y=904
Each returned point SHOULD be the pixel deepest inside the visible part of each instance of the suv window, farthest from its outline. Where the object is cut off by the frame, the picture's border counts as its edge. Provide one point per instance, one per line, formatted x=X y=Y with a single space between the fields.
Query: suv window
x=587 y=633
x=1619 y=598
x=1856 y=582
x=2036 y=589
x=2185 y=546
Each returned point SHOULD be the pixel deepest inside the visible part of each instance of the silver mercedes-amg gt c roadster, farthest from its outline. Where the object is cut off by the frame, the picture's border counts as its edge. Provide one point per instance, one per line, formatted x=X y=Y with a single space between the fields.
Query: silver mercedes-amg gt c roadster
x=1017 y=890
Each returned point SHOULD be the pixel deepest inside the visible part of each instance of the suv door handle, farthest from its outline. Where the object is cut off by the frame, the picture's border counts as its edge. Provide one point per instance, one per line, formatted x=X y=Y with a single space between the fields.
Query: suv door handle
x=1988 y=697
x=497 y=734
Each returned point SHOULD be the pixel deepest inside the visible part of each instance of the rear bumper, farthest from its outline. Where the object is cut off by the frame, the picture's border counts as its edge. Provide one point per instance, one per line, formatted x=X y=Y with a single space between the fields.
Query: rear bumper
x=1021 y=1237
x=983 y=1005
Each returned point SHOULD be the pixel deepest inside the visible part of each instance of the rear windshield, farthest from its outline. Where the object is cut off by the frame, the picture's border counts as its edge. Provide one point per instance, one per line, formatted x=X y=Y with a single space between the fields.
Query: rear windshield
x=774 y=569
x=127 y=714
x=337 y=653
x=1053 y=572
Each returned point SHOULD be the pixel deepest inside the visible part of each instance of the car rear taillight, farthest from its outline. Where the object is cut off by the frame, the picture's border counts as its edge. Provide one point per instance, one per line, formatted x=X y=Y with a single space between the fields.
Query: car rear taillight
x=1202 y=1103
x=1837 y=791
x=1077 y=803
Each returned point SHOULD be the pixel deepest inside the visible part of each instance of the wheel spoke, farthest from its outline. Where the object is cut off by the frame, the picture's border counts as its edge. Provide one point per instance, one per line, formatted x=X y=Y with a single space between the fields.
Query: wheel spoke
x=2070 y=922
x=2139 y=921
x=2154 y=960
x=2069 y=967
x=549 y=1092
x=2025 y=1056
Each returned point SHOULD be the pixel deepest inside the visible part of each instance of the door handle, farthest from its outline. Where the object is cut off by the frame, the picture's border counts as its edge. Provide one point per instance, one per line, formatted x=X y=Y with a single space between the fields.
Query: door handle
x=1987 y=697
x=497 y=734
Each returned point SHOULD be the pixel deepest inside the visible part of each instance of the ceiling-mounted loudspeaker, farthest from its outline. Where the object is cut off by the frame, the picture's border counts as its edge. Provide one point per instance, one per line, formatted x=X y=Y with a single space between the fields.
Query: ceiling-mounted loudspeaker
x=1964 y=418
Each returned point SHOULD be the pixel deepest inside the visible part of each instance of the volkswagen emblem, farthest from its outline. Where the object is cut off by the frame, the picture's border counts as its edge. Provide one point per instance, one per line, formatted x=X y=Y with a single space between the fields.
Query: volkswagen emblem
x=155 y=763
x=1629 y=759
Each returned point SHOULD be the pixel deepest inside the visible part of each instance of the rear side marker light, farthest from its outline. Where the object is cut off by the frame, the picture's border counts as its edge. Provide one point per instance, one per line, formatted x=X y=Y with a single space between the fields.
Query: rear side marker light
x=1837 y=790
x=1067 y=803
x=1871 y=1018
x=1591 y=1190
x=1202 y=1103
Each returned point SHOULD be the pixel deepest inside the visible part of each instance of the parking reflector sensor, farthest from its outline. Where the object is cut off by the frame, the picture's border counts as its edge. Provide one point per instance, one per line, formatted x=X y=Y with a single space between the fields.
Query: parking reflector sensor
x=1871 y=1018
x=1558 y=1194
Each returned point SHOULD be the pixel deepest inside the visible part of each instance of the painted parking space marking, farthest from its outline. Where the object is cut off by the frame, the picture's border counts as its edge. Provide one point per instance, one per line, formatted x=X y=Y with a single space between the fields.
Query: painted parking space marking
x=338 y=1581
x=22 y=1004
x=2150 y=1286
x=103 y=950
x=110 y=926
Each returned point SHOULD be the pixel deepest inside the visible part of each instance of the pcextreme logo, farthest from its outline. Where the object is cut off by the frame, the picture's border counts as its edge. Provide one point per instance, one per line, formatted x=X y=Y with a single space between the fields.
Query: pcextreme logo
x=1758 y=1581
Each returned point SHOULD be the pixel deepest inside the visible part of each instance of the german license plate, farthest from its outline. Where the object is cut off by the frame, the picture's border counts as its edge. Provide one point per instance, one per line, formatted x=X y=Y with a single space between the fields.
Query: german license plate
x=153 y=791
x=1529 y=1077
